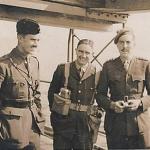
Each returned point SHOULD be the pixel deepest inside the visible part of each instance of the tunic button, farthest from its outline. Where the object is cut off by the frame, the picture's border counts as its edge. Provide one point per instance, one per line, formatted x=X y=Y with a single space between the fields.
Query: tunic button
x=78 y=101
x=80 y=82
x=79 y=91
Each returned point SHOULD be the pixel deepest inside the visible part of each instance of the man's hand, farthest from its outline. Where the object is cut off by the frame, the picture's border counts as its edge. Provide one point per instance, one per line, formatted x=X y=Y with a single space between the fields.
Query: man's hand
x=133 y=104
x=118 y=106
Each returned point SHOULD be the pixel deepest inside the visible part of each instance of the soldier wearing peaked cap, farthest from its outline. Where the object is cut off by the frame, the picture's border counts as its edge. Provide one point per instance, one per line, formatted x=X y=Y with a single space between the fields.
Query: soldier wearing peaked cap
x=21 y=119
x=127 y=121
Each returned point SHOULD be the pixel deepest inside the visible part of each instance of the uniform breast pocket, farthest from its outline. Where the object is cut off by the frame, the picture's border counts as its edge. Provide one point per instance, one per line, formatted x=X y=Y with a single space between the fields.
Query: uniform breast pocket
x=138 y=82
x=17 y=89
x=115 y=83
x=89 y=93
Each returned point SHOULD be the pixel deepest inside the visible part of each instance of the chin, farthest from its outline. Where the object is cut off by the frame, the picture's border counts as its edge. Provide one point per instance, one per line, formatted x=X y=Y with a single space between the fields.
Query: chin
x=125 y=55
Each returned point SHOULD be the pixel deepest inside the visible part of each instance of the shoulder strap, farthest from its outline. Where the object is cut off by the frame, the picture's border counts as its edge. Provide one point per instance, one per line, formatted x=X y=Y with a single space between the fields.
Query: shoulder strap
x=21 y=73
x=97 y=75
x=66 y=73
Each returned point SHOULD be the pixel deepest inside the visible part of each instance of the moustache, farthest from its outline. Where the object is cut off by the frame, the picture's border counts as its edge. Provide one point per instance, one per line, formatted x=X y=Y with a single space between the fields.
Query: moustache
x=124 y=49
x=34 y=46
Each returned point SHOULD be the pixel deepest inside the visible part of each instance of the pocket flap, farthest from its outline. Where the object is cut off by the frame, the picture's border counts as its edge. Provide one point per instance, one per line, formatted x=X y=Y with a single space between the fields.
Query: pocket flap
x=40 y=117
x=138 y=77
x=12 y=111
x=115 y=77
x=60 y=100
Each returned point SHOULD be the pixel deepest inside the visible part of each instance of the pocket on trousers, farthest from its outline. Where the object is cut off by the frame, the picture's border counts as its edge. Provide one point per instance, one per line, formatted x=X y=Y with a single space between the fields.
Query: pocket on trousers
x=4 y=134
x=40 y=118
x=12 y=111
x=61 y=122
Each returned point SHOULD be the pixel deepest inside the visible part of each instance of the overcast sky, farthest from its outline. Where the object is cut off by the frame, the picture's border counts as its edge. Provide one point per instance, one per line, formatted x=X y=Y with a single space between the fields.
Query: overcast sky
x=53 y=44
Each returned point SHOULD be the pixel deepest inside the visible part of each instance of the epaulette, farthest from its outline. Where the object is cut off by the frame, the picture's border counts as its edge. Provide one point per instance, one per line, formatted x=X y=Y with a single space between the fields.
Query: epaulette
x=36 y=61
x=35 y=58
x=2 y=58
x=63 y=64
x=110 y=60
x=143 y=59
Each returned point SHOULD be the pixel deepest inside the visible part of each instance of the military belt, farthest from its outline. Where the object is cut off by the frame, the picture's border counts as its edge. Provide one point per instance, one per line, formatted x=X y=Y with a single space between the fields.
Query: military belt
x=78 y=107
x=17 y=103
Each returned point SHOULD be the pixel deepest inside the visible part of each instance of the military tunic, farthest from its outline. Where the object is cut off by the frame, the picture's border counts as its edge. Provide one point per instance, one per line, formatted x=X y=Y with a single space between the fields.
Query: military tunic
x=121 y=85
x=20 y=107
x=74 y=127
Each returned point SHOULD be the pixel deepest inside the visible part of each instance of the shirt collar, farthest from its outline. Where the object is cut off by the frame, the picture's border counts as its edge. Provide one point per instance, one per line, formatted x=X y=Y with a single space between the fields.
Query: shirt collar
x=128 y=60
x=17 y=53
x=84 y=68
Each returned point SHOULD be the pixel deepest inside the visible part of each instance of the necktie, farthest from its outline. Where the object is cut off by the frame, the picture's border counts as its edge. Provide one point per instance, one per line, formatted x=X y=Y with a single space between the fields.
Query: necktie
x=126 y=65
x=27 y=65
x=81 y=72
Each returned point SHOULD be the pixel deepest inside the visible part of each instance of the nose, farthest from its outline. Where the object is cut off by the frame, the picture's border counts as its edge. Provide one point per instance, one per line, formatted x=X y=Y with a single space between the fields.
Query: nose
x=125 y=45
x=36 y=42
x=84 y=54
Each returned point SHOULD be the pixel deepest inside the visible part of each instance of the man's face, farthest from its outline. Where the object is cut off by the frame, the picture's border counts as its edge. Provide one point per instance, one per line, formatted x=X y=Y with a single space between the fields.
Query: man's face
x=84 y=54
x=125 y=45
x=28 y=43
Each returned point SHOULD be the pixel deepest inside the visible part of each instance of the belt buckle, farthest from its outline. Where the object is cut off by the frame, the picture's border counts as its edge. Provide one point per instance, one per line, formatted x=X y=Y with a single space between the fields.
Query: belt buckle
x=78 y=106
x=126 y=99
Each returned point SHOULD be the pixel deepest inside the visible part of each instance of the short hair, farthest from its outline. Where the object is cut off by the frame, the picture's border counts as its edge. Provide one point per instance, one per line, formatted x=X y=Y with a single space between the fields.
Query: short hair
x=122 y=32
x=86 y=41
x=27 y=26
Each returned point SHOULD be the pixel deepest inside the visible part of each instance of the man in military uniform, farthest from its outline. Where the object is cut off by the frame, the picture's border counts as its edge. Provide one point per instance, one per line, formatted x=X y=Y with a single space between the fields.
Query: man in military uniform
x=72 y=131
x=127 y=122
x=21 y=120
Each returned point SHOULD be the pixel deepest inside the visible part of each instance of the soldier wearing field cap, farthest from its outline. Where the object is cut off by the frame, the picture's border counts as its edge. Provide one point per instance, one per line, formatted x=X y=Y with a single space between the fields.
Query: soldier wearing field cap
x=21 y=119
x=127 y=121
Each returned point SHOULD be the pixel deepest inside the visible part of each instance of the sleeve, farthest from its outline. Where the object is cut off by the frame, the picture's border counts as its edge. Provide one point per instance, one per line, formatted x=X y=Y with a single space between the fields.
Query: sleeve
x=56 y=84
x=2 y=73
x=146 y=99
x=102 y=89
x=2 y=78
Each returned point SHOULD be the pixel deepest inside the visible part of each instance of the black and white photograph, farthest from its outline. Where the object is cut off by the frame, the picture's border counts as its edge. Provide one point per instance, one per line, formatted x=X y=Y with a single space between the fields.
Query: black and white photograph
x=74 y=74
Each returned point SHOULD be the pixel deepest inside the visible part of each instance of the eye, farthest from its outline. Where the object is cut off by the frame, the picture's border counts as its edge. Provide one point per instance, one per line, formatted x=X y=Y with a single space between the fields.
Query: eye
x=128 y=42
x=80 y=51
x=121 y=42
x=87 y=53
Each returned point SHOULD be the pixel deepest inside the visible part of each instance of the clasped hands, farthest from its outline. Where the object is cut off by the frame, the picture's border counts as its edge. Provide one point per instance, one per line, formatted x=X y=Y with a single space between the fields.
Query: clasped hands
x=120 y=106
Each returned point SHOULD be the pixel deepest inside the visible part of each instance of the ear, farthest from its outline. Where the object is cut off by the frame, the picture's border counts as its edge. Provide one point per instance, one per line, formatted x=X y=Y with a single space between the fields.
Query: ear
x=76 y=50
x=92 y=53
x=19 y=37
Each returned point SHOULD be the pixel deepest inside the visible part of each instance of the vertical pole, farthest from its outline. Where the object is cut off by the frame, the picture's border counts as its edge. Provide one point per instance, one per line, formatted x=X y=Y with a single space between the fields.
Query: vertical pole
x=72 y=58
x=69 y=40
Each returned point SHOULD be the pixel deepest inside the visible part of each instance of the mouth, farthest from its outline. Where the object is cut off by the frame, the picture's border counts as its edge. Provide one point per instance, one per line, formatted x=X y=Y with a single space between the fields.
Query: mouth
x=124 y=52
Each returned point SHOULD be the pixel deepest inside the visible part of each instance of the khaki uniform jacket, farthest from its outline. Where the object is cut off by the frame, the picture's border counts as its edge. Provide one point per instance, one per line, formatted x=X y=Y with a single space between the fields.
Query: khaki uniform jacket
x=14 y=86
x=120 y=84
x=82 y=90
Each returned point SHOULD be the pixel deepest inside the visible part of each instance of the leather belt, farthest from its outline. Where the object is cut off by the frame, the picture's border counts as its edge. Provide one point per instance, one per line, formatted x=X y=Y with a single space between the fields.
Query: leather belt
x=17 y=103
x=78 y=107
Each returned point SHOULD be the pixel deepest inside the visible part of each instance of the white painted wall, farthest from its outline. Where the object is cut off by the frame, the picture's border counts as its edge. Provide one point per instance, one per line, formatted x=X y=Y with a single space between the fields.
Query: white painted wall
x=53 y=44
